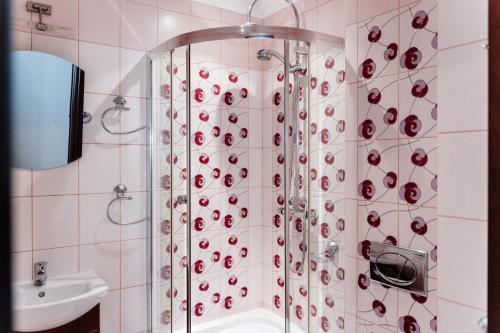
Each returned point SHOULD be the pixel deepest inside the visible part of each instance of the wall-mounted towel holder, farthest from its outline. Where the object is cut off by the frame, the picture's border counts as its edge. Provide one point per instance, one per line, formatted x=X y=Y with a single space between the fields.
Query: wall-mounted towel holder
x=120 y=191
x=120 y=103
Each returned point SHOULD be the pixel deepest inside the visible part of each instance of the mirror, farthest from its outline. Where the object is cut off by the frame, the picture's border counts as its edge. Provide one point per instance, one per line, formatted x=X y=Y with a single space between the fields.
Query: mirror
x=47 y=110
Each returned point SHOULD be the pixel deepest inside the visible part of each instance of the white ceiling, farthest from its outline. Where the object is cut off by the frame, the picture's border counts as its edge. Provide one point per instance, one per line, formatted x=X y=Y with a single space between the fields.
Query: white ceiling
x=262 y=9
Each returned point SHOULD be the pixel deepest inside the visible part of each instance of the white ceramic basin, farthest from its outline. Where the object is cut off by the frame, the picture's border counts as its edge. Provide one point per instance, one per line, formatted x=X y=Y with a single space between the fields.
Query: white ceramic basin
x=60 y=301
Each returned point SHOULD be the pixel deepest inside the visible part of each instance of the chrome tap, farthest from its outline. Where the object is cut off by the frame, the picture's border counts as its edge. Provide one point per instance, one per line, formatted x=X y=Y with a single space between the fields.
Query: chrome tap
x=40 y=273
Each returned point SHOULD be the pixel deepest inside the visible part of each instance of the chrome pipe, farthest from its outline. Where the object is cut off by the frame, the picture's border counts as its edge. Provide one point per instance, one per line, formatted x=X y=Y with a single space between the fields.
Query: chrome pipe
x=286 y=227
x=188 y=168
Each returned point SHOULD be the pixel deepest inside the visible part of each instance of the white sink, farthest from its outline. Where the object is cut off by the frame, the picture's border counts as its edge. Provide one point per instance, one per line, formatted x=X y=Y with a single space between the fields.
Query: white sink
x=60 y=301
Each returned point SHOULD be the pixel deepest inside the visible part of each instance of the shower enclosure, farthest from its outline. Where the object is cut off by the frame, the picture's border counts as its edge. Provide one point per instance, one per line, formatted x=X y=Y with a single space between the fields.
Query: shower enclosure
x=247 y=181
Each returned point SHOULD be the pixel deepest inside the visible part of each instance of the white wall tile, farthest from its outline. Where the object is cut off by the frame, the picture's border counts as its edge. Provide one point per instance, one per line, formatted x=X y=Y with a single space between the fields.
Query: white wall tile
x=463 y=88
x=94 y=225
x=61 y=261
x=135 y=80
x=57 y=181
x=61 y=47
x=99 y=21
x=472 y=25
x=133 y=263
x=465 y=280
x=134 y=210
x=20 y=182
x=138 y=26
x=55 y=221
x=20 y=41
x=463 y=178
x=21 y=224
x=458 y=318
x=102 y=68
x=133 y=167
x=93 y=132
x=104 y=260
x=134 y=309
x=22 y=266
x=99 y=168
x=110 y=312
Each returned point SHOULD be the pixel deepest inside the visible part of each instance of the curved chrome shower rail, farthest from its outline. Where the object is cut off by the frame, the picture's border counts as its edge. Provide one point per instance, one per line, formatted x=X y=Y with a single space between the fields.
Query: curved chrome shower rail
x=120 y=103
x=120 y=191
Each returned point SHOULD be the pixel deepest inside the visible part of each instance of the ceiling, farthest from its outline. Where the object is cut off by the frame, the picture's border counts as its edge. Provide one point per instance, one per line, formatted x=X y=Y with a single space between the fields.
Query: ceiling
x=262 y=9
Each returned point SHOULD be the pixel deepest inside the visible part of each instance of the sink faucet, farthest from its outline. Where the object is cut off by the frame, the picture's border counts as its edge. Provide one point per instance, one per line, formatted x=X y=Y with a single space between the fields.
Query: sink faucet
x=40 y=273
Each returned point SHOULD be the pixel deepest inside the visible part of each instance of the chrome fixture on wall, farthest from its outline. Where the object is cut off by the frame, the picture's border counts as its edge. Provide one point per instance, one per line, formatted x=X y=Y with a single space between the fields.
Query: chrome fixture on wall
x=41 y=9
x=399 y=267
x=120 y=191
x=40 y=273
x=120 y=103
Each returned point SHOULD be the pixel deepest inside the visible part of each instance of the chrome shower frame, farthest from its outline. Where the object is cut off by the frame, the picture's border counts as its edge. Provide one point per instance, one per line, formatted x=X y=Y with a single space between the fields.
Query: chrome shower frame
x=246 y=31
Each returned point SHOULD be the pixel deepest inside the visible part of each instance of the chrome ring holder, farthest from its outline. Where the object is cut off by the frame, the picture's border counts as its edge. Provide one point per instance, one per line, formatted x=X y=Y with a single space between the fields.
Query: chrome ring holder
x=120 y=103
x=120 y=191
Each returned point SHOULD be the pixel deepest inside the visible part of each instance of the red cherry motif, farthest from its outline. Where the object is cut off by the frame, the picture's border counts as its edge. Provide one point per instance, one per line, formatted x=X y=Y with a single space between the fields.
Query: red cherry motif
x=203 y=116
x=228 y=221
x=199 y=95
x=215 y=298
x=204 y=285
x=199 y=138
x=199 y=266
x=329 y=62
x=232 y=281
x=244 y=292
x=228 y=98
x=203 y=244
x=243 y=92
x=216 y=89
x=233 y=77
x=228 y=262
x=204 y=74
x=216 y=256
x=228 y=302
x=243 y=252
x=198 y=309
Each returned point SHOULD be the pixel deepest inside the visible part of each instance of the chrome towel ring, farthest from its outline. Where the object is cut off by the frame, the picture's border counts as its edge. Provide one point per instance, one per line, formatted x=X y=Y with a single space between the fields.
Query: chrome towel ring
x=120 y=191
x=120 y=103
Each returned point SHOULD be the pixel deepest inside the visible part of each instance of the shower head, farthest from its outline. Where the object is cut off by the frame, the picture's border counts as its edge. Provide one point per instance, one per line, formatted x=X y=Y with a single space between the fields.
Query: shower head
x=266 y=55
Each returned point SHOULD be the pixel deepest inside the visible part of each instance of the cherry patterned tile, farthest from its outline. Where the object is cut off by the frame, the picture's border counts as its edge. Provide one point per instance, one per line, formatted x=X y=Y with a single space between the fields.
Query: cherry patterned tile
x=418 y=35
x=378 y=46
x=418 y=313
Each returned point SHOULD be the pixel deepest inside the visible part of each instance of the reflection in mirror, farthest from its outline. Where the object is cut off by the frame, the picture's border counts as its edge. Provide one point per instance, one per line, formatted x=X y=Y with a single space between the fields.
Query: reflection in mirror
x=47 y=110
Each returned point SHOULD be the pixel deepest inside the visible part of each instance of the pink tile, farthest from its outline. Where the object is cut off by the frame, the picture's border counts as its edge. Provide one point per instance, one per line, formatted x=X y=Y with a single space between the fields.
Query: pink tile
x=454 y=109
x=134 y=73
x=471 y=288
x=181 y=6
x=351 y=54
x=206 y=11
x=21 y=182
x=134 y=210
x=331 y=18
x=369 y=8
x=94 y=226
x=64 y=48
x=138 y=26
x=310 y=20
x=351 y=281
x=110 y=312
x=458 y=318
x=21 y=224
x=232 y=18
x=102 y=68
x=235 y=53
x=102 y=259
x=134 y=309
x=22 y=266
x=99 y=21
x=351 y=112
x=473 y=26
x=20 y=17
x=62 y=261
x=64 y=19
x=93 y=132
x=351 y=227
x=470 y=173
x=171 y=24
x=351 y=12
x=20 y=41
x=99 y=168
x=55 y=213
x=58 y=181
x=133 y=265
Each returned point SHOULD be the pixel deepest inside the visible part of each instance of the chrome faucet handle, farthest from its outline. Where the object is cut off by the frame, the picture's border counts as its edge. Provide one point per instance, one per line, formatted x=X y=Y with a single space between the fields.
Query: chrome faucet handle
x=40 y=272
x=483 y=324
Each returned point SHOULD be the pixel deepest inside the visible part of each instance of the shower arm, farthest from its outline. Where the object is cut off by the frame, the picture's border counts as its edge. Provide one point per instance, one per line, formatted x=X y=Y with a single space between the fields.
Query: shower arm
x=297 y=23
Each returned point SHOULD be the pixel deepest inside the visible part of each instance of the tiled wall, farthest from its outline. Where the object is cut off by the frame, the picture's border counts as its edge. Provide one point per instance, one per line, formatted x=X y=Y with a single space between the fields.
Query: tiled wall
x=397 y=74
x=462 y=149
x=60 y=214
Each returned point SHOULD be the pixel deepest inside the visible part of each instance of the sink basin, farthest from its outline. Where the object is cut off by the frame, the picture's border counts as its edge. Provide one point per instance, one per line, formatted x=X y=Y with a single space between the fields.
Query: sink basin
x=60 y=301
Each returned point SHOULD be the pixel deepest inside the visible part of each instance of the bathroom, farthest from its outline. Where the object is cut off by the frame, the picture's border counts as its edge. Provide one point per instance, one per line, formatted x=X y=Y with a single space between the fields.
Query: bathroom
x=190 y=193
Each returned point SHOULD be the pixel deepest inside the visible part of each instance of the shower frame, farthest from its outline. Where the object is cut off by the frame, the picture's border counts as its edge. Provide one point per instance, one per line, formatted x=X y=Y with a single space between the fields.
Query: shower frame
x=245 y=31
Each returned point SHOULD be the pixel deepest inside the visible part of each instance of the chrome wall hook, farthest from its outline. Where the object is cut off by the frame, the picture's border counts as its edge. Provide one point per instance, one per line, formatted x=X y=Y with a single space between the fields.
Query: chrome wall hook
x=120 y=103
x=121 y=194
x=41 y=9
